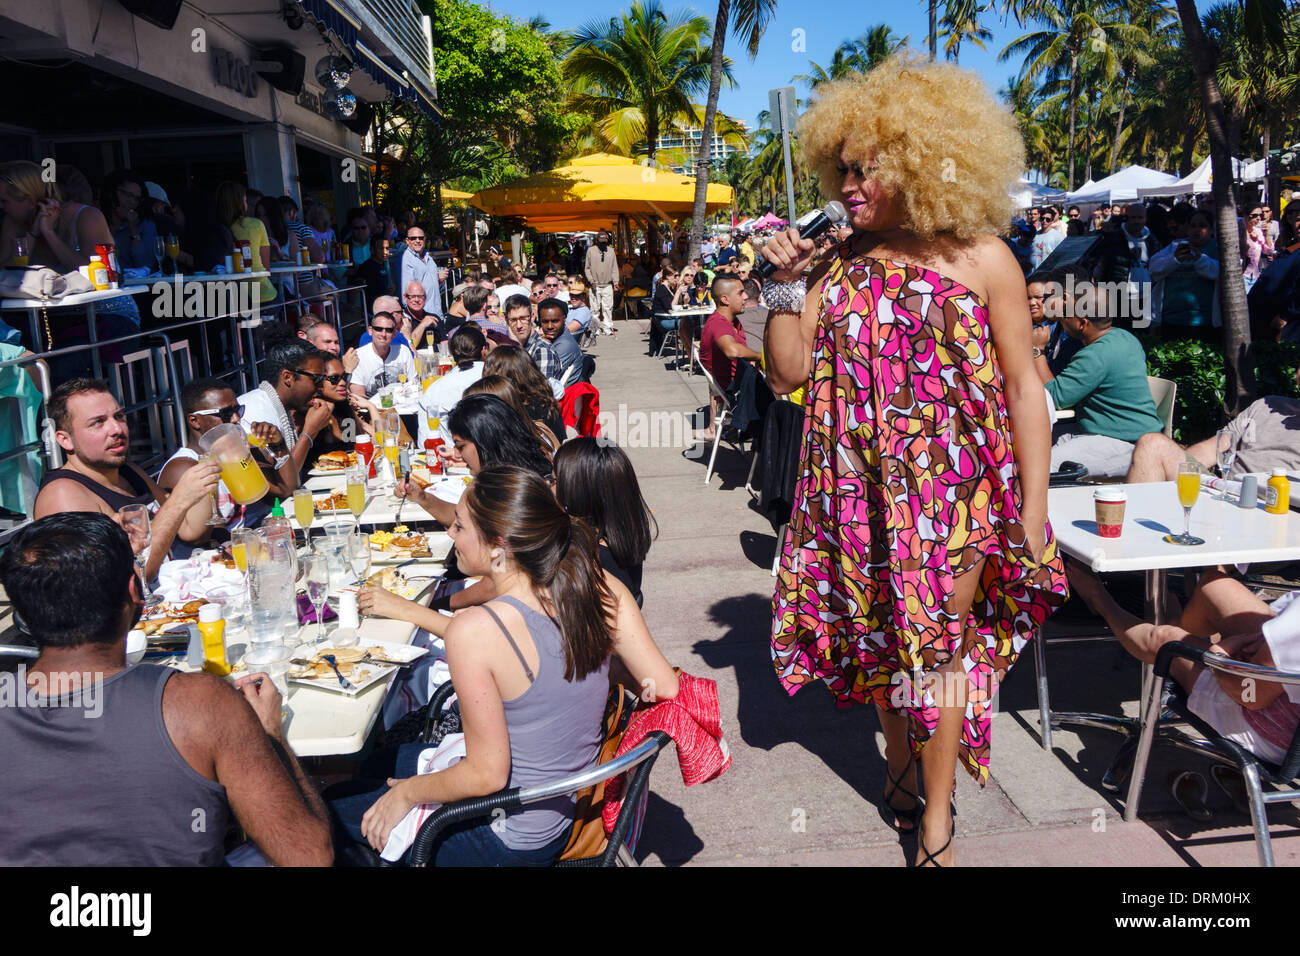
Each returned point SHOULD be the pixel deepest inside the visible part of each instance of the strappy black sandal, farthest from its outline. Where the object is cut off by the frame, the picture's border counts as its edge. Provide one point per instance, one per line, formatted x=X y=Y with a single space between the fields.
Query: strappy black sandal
x=891 y=814
x=930 y=857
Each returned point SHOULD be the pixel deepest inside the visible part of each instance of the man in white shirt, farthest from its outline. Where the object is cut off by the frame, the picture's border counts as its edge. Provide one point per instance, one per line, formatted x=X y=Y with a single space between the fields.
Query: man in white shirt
x=379 y=362
x=468 y=349
x=509 y=285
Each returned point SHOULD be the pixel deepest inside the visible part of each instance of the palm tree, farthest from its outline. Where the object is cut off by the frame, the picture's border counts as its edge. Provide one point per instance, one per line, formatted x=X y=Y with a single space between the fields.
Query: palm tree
x=635 y=75
x=1072 y=30
x=961 y=21
x=749 y=20
x=859 y=55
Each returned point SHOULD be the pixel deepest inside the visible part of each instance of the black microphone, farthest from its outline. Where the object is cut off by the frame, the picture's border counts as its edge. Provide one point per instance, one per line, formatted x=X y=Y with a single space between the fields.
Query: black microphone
x=810 y=226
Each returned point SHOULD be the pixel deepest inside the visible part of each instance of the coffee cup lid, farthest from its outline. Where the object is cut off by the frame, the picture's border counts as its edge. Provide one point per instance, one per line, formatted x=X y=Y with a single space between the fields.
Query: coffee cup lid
x=1110 y=494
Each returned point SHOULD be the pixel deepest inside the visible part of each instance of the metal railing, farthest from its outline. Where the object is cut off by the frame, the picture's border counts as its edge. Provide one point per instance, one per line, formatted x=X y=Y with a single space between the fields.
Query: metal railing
x=164 y=398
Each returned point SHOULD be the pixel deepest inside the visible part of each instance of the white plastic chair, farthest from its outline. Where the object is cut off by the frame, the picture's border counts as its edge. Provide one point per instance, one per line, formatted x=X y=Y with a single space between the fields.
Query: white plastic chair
x=724 y=415
x=1163 y=391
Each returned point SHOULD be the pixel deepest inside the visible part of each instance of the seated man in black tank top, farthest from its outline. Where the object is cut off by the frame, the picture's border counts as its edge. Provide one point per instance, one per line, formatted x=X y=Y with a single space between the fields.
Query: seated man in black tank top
x=170 y=757
x=92 y=431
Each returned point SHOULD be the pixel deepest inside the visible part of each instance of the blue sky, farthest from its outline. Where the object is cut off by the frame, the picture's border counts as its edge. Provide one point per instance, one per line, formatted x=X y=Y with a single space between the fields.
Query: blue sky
x=825 y=24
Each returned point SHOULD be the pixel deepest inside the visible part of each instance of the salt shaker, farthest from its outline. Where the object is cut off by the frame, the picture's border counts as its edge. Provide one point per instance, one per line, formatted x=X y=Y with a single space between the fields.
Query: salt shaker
x=1249 y=492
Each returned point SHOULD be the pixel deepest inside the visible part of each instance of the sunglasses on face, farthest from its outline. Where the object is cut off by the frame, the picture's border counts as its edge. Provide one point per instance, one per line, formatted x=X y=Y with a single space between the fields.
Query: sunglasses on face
x=415 y=238
x=336 y=379
x=316 y=377
x=226 y=413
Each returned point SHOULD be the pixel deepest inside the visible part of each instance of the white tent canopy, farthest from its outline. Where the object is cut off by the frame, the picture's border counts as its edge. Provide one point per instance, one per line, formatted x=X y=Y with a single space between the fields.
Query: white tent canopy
x=1199 y=179
x=1025 y=194
x=1121 y=187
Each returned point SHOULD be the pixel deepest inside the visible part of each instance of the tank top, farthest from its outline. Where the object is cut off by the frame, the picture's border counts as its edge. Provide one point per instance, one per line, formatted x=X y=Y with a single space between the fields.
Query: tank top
x=93 y=779
x=555 y=729
x=115 y=500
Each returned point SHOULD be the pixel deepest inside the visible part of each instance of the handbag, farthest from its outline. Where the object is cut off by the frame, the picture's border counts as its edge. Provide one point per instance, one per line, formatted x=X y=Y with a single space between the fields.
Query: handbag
x=40 y=282
x=587 y=837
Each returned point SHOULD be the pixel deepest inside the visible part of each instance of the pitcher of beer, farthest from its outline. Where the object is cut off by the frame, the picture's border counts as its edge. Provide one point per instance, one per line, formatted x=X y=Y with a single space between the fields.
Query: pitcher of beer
x=229 y=446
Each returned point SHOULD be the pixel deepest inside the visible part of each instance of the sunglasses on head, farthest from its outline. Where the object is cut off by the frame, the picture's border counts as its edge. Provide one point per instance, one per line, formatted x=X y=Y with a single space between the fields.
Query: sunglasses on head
x=226 y=413
x=316 y=377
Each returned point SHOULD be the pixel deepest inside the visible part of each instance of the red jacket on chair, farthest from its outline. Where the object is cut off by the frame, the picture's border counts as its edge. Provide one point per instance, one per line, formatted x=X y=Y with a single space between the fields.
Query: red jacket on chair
x=694 y=722
x=580 y=408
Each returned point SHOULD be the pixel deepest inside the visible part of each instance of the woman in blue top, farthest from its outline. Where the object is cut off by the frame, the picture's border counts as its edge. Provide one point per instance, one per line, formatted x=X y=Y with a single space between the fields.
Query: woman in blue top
x=531 y=675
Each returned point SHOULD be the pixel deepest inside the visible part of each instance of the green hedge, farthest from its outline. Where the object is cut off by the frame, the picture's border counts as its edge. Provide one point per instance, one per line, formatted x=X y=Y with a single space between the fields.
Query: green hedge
x=1198 y=370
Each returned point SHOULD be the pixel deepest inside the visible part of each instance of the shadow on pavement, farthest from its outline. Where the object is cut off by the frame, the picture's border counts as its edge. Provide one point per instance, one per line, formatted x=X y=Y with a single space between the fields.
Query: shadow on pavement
x=758 y=548
x=843 y=739
x=668 y=834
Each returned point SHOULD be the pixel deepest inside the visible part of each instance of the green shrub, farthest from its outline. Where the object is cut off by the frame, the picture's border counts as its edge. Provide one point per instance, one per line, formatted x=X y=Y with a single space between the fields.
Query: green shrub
x=1199 y=371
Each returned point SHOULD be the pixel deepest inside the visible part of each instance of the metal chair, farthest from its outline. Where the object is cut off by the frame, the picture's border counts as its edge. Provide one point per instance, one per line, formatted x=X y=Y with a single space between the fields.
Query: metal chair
x=640 y=759
x=724 y=415
x=1254 y=771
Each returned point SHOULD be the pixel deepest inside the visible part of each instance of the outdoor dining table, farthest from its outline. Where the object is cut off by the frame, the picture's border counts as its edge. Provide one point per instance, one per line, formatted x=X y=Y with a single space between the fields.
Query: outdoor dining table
x=381 y=506
x=324 y=722
x=34 y=307
x=1232 y=536
x=680 y=315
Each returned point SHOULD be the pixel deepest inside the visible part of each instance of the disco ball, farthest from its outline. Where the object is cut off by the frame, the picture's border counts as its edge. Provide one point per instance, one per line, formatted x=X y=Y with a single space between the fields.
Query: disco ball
x=333 y=72
x=341 y=105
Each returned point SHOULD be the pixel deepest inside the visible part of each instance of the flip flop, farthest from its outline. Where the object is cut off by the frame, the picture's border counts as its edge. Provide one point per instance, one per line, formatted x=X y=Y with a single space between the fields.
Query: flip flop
x=1233 y=784
x=1190 y=790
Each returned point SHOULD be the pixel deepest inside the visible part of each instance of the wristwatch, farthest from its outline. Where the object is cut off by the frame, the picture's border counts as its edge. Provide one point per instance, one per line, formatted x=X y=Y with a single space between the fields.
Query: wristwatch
x=1037 y=352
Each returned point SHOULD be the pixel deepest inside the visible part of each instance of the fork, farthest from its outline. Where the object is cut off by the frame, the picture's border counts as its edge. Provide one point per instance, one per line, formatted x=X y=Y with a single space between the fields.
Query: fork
x=343 y=681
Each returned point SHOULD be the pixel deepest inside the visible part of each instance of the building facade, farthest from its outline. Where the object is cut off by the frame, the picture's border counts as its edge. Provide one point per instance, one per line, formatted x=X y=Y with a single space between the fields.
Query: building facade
x=191 y=93
x=687 y=141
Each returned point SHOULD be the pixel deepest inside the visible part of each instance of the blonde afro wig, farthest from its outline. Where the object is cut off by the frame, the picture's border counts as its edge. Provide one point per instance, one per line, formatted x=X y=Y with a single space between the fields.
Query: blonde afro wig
x=942 y=145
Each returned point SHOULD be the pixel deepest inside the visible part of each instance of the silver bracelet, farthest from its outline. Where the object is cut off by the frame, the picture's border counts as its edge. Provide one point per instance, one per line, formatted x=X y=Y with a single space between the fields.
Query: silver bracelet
x=785 y=296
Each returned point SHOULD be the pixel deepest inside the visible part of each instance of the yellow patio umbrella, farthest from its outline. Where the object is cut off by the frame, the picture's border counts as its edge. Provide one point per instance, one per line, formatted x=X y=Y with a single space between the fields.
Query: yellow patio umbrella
x=456 y=195
x=599 y=187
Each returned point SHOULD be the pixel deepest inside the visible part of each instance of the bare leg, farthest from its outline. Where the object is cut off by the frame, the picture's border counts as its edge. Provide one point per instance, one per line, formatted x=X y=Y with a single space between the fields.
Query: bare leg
x=1223 y=605
x=1155 y=458
x=939 y=756
x=898 y=765
x=1140 y=638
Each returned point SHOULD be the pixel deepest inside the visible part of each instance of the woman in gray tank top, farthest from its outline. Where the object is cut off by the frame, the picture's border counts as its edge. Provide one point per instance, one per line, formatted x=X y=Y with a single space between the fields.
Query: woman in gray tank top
x=531 y=671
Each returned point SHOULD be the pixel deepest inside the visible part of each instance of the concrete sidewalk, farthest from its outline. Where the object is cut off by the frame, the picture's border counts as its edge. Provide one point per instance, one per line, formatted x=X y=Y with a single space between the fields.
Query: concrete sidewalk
x=806 y=777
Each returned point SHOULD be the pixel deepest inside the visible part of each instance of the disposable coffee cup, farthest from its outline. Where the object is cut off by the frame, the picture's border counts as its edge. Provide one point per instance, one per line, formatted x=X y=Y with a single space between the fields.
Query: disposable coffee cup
x=1110 y=504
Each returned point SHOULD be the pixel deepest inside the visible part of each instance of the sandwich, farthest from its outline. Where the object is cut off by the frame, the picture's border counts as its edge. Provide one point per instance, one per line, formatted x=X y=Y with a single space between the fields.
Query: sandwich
x=336 y=460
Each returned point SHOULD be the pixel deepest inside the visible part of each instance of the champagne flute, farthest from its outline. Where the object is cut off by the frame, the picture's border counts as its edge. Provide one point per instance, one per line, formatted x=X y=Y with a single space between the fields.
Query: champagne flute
x=173 y=248
x=356 y=491
x=159 y=251
x=358 y=551
x=1225 y=450
x=135 y=521
x=21 y=252
x=304 y=509
x=1188 y=484
x=217 y=519
x=317 y=578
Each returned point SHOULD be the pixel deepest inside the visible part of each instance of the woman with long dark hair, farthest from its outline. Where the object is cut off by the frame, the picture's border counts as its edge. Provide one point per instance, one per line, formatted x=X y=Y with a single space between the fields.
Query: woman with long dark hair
x=485 y=431
x=595 y=481
x=517 y=365
x=531 y=671
x=919 y=559
x=506 y=390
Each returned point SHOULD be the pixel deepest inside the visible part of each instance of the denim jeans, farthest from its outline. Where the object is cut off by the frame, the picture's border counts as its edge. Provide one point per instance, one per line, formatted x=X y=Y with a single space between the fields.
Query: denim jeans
x=471 y=843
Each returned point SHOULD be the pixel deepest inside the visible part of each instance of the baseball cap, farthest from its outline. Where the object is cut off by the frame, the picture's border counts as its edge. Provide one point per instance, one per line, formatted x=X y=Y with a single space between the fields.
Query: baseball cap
x=157 y=192
x=505 y=263
x=577 y=286
x=457 y=292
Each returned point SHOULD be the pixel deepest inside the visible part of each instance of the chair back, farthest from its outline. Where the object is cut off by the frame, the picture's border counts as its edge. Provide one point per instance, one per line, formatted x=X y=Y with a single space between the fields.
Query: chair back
x=587 y=838
x=1163 y=392
x=708 y=377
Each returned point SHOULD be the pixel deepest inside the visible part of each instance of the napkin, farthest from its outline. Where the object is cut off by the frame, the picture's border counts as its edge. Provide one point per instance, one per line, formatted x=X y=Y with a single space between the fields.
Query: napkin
x=191 y=579
x=307 y=612
x=431 y=760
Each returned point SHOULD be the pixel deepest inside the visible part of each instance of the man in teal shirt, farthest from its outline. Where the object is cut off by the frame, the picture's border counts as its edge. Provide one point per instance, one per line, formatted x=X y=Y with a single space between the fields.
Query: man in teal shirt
x=1105 y=384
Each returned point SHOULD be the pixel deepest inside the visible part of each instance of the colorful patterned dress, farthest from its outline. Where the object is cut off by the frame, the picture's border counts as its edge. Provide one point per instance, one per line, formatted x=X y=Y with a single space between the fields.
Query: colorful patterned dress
x=907 y=478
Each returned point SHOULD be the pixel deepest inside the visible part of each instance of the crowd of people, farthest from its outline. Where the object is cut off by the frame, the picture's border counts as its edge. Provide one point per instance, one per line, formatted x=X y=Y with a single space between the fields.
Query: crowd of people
x=1169 y=256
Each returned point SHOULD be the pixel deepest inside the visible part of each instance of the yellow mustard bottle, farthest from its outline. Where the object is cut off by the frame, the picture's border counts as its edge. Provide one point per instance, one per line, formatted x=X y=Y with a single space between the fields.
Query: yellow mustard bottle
x=1283 y=486
x=212 y=629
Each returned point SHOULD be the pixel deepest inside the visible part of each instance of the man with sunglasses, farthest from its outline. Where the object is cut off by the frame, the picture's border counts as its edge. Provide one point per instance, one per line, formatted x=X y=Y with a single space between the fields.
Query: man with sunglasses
x=417 y=265
x=294 y=371
x=380 y=361
x=1052 y=234
x=207 y=403
x=553 y=288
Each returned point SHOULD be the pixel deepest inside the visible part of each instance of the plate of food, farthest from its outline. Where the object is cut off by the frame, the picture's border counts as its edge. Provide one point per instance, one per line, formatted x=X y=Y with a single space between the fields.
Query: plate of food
x=395 y=580
x=399 y=544
x=333 y=463
x=332 y=502
x=363 y=665
x=167 y=618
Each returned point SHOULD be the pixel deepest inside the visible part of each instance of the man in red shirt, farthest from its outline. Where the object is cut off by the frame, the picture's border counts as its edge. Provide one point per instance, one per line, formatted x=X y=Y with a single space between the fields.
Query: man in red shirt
x=722 y=340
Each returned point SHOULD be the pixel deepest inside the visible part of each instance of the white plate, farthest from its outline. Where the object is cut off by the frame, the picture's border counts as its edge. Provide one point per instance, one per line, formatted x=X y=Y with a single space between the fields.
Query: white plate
x=365 y=674
x=327 y=472
x=439 y=543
